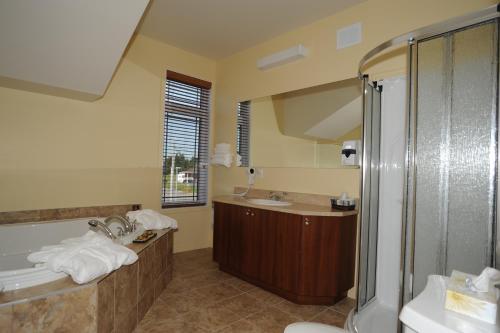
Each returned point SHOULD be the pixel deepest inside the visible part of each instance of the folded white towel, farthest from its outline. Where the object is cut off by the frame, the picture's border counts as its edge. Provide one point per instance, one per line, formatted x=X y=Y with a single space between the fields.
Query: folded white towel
x=221 y=158
x=84 y=258
x=222 y=147
x=222 y=161
x=152 y=220
x=238 y=160
x=222 y=155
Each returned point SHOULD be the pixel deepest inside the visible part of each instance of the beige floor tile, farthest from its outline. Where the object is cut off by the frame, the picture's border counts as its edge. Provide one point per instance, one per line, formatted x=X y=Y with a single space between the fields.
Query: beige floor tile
x=304 y=312
x=202 y=299
x=205 y=279
x=189 y=270
x=240 y=284
x=180 y=304
x=177 y=324
x=177 y=285
x=218 y=292
x=265 y=296
x=272 y=320
x=242 y=326
x=212 y=318
x=330 y=317
x=243 y=304
x=344 y=306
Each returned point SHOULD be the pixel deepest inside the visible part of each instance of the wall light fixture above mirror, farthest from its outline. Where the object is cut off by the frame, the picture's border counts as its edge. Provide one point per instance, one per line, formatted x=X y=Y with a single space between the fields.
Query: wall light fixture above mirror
x=302 y=128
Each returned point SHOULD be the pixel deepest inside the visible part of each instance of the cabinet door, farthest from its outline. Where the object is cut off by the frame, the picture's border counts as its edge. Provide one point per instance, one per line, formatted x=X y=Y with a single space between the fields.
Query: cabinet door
x=235 y=221
x=251 y=242
x=327 y=258
x=221 y=231
x=287 y=243
x=227 y=235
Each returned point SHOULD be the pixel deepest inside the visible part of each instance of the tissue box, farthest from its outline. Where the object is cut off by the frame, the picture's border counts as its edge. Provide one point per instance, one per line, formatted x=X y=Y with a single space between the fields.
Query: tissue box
x=461 y=299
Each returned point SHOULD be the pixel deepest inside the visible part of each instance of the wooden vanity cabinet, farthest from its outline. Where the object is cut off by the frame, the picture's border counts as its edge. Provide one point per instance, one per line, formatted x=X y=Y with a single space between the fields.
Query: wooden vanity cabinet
x=306 y=259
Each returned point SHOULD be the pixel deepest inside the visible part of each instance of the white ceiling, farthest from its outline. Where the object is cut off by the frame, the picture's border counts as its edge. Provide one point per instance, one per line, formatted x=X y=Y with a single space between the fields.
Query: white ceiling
x=66 y=48
x=219 y=28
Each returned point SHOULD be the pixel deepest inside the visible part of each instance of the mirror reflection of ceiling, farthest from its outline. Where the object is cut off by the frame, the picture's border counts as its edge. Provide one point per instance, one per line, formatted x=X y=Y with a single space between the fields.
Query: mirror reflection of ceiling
x=330 y=112
x=305 y=128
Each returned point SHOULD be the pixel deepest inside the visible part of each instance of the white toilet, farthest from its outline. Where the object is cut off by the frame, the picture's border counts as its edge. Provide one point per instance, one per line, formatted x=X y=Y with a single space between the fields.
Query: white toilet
x=306 y=327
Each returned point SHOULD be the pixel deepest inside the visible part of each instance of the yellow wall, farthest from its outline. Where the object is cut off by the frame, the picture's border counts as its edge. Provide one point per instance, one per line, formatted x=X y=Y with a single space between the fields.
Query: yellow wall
x=59 y=152
x=239 y=79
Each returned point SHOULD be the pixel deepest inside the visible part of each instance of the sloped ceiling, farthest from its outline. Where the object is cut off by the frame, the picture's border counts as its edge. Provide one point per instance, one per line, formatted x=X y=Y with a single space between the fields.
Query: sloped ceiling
x=326 y=112
x=67 y=48
x=219 y=28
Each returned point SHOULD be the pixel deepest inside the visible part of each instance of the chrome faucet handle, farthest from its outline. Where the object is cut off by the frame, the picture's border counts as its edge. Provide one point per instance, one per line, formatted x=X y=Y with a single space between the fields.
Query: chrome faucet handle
x=134 y=225
x=96 y=224
x=121 y=232
x=127 y=226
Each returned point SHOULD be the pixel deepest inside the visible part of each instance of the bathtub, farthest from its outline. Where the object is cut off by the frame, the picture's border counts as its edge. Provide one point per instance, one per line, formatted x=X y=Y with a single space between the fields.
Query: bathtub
x=18 y=240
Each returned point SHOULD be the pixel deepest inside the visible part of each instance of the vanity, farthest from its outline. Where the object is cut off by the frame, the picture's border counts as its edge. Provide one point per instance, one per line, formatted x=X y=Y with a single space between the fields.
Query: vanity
x=303 y=252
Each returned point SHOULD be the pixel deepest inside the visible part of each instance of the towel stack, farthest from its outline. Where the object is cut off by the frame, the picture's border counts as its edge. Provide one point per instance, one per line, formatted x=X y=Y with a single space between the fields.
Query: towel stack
x=222 y=155
x=238 y=160
x=152 y=220
x=84 y=258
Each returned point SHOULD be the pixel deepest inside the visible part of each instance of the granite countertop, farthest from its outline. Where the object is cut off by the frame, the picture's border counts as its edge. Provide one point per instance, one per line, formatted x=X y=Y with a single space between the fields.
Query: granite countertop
x=64 y=284
x=295 y=207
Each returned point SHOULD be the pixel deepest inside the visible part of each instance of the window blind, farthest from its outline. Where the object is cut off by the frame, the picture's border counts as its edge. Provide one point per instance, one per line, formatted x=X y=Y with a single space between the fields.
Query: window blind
x=243 y=133
x=186 y=134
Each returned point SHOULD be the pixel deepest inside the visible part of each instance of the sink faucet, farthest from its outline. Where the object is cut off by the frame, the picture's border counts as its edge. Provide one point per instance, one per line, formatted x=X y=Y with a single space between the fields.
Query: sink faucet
x=276 y=196
x=127 y=226
x=103 y=227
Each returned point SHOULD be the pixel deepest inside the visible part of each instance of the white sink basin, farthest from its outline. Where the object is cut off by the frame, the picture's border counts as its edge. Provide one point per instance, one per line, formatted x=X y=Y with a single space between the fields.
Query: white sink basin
x=267 y=202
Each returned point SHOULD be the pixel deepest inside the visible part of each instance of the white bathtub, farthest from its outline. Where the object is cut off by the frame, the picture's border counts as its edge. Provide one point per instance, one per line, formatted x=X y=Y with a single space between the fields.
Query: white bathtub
x=18 y=240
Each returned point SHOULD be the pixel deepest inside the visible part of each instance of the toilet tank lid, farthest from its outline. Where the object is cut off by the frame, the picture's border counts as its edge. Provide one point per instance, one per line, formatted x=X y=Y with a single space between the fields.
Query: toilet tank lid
x=426 y=313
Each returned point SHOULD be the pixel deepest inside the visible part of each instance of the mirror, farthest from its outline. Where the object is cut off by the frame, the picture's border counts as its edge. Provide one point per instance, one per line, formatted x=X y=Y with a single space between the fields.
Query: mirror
x=303 y=128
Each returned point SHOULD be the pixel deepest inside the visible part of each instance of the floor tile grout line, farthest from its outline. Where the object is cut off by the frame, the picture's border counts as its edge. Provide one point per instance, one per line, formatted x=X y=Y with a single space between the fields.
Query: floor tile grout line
x=330 y=308
x=206 y=267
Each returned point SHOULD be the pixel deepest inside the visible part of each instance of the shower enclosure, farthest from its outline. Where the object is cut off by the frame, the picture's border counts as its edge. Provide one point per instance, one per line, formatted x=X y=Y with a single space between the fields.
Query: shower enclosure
x=448 y=215
x=452 y=176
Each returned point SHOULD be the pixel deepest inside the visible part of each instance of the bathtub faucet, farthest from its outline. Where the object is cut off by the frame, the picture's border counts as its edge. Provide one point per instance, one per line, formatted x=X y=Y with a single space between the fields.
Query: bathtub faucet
x=127 y=226
x=103 y=227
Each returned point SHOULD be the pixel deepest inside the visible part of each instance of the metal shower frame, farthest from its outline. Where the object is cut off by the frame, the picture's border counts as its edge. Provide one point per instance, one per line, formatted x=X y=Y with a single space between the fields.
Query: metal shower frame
x=408 y=220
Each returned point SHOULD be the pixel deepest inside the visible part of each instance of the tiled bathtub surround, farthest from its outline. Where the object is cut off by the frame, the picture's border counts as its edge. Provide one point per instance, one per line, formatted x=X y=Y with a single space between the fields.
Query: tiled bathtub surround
x=115 y=303
x=64 y=213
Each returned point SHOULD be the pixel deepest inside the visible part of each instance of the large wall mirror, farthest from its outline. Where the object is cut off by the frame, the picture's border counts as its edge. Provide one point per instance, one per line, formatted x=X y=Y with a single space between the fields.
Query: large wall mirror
x=303 y=128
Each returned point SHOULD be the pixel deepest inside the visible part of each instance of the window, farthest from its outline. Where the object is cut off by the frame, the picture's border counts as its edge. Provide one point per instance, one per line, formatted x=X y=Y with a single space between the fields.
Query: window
x=243 y=132
x=185 y=149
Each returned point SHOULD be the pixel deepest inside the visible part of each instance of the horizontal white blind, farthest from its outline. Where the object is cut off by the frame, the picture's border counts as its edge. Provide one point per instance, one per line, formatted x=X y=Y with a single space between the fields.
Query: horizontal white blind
x=185 y=153
x=243 y=133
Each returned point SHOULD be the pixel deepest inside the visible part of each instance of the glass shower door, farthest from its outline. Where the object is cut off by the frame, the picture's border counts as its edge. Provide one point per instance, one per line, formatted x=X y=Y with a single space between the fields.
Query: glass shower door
x=454 y=146
x=370 y=194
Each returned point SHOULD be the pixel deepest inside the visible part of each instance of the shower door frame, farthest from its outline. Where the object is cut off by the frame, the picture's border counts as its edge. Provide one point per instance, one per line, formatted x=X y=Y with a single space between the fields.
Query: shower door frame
x=371 y=124
x=408 y=211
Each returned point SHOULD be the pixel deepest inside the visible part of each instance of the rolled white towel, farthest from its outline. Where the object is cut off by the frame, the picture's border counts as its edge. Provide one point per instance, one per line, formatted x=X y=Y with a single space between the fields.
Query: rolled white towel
x=152 y=220
x=84 y=258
